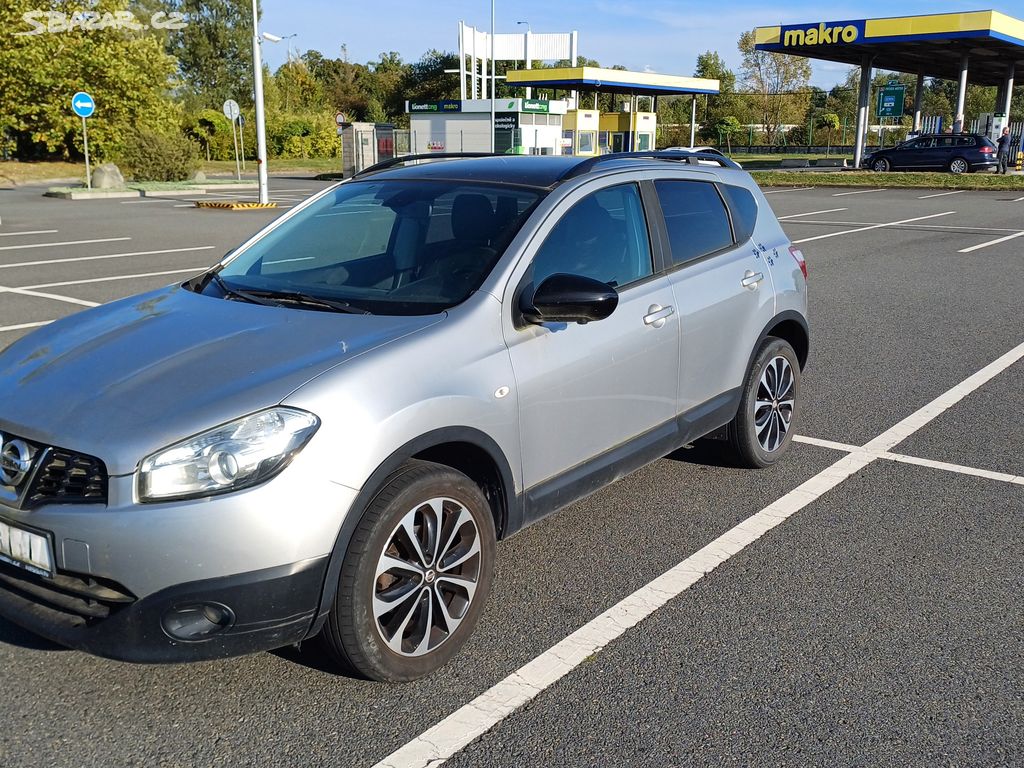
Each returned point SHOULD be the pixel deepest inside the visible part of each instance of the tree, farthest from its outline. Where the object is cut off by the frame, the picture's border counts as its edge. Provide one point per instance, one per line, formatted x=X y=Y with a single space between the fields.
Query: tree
x=426 y=79
x=828 y=122
x=775 y=82
x=723 y=104
x=728 y=127
x=214 y=51
x=126 y=72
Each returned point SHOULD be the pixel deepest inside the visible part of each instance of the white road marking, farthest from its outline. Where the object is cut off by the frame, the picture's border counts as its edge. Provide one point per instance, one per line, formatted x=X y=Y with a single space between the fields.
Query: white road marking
x=23 y=326
x=788 y=189
x=195 y=270
x=926 y=227
x=905 y=459
x=140 y=202
x=941 y=194
x=54 y=245
x=462 y=727
x=858 y=192
x=990 y=242
x=106 y=256
x=811 y=213
x=873 y=226
x=1017 y=200
x=55 y=297
x=30 y=232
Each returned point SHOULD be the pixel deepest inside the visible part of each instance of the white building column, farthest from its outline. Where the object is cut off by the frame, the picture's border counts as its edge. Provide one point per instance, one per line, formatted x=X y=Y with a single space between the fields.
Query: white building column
x=862 y=110
x=693 y=120
x=1007 y=94
x=528 y=50
x=961 y=96
x=462 y=60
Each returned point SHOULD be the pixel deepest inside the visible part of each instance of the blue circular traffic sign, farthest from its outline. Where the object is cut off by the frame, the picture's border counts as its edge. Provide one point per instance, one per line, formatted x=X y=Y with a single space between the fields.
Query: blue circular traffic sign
x=83 y=104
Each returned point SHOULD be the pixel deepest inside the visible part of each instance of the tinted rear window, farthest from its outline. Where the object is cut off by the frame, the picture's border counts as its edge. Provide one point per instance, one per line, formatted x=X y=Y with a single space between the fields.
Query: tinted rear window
x=744 y=211
x=695 y=216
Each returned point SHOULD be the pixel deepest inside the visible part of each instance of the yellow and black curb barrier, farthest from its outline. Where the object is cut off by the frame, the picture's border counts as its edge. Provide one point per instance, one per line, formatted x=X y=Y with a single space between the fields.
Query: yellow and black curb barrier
x=232 y=206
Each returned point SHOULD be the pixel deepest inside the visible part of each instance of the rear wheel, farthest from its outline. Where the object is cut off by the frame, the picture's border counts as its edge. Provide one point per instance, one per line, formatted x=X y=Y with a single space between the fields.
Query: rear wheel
x=881 y=165
x=959 y=165
x=415 y=577
x=763 y=427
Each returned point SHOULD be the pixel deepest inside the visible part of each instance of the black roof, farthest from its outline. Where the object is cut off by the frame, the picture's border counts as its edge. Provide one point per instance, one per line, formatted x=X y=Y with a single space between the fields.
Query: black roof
x=527 y=170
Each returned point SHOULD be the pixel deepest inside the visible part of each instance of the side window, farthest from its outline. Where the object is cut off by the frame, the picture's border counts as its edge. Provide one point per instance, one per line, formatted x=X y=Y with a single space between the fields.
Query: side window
x=695 y=216
x=603 y=236
x=744 y=211
x=966 y=141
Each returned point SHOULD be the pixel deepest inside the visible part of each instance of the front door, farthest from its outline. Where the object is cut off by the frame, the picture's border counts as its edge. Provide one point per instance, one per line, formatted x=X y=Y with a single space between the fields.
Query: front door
x=618 y=142
x=585 y=390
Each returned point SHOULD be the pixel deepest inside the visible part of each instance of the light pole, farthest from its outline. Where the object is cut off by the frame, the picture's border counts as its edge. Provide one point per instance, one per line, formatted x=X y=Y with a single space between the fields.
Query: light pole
x=261 y=123
x=493 y=79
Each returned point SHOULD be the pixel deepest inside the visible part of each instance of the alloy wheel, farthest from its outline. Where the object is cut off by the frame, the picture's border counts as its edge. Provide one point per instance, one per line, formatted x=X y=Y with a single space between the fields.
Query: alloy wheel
x=773 y=406
x=959 y=165
x=427 y=576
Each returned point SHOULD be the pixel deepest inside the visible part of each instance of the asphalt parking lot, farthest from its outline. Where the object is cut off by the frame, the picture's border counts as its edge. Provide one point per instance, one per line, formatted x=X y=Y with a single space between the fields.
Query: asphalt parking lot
x=861 y=604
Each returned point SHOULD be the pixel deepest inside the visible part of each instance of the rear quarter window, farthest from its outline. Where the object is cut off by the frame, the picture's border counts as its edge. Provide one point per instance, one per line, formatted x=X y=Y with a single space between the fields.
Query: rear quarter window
x=744 y=211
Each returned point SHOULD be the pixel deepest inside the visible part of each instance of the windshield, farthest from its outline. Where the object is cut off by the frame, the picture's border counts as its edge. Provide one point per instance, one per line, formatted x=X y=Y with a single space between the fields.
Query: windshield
x=399 y=247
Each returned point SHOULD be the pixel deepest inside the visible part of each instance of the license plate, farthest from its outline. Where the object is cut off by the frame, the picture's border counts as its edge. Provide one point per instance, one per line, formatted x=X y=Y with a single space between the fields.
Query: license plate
x=25 y=549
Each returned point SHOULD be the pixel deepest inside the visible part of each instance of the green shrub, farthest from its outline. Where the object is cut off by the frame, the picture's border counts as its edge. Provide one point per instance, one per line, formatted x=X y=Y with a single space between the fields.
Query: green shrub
x=152 y=155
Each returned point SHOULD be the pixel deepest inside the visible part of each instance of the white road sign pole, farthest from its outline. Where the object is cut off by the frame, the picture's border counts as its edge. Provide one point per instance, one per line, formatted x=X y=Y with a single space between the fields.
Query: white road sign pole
x=85 y=143
x=234 y=140
x=261 y=127
x=241 y=138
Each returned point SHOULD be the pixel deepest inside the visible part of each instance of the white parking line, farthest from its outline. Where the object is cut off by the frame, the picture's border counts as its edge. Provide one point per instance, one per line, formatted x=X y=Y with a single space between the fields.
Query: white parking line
x=928 y=227
x=139 y=202
x=463 y=726
x=811 y=213
x=941 y=194
x=195 y=270
x=858 y=192
x=55 y=297
x=997 y=241
x=787 y=189
x=23 y=326
x=873 y=226
x=30 y=232
x=54 y=245
x=106 y=256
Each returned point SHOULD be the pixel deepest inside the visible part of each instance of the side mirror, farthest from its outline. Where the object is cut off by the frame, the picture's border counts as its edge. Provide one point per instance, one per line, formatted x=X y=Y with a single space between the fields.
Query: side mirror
x=570 y=299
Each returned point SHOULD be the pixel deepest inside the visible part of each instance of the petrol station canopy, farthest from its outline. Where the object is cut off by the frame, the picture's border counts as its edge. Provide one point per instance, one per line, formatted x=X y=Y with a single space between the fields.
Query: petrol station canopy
x=610 y=81
x=933 y=45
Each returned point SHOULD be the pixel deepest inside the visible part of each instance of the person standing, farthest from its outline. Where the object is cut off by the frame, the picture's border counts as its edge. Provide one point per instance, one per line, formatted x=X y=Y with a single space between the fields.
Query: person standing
x=1003 y=151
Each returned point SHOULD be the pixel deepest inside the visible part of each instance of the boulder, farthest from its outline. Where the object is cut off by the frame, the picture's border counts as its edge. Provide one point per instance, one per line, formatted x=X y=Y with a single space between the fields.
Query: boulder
x=198 y=177
x=107 y=176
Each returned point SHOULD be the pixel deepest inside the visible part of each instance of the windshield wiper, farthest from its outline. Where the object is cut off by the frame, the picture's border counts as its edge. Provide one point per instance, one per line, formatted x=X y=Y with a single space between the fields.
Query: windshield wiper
x=243 y=295
x=305 y=299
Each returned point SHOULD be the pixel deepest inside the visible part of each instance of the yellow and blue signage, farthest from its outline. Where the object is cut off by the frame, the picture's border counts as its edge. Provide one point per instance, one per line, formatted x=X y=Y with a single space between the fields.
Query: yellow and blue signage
x=808 y=38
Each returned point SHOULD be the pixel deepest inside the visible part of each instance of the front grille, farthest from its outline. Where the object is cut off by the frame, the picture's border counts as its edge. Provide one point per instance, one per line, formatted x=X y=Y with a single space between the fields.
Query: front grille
x=70 y=600
x=66 y=477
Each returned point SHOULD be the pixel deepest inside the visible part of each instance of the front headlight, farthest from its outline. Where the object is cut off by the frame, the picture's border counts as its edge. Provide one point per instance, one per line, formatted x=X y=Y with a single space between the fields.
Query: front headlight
x=226 y=458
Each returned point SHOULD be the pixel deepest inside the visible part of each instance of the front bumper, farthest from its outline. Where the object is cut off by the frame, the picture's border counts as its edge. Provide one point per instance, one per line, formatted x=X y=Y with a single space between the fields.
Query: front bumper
x=269 y=609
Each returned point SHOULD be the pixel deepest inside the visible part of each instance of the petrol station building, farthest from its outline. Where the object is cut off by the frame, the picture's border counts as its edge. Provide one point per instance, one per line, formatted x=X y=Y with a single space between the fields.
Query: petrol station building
x=982 y=47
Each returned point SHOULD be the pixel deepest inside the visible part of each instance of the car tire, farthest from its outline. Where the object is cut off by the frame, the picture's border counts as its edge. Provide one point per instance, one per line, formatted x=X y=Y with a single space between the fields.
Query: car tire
x=881 y=165
x=958 y=165
x=763 y=426
x=424 y=516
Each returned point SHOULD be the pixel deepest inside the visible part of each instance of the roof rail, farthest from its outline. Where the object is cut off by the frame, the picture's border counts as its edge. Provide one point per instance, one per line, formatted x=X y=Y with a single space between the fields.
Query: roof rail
x=383 y=165
x=676 y=155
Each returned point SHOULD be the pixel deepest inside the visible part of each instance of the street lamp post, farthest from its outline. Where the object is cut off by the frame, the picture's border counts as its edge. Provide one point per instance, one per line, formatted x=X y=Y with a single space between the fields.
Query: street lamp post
x=493 y=79
x=261 y=124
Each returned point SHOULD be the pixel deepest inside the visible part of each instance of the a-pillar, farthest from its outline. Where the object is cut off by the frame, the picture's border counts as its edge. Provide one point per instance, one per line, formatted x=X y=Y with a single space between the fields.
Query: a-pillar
x=961 y=96
x=862 y=110
x=917 y=102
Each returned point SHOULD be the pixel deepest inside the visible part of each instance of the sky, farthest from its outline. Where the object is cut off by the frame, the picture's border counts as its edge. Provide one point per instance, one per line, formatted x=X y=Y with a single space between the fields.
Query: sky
x=658 y=35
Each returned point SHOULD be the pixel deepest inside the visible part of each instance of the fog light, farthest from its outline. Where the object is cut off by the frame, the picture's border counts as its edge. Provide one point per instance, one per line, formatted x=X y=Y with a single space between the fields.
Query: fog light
x=198 y=621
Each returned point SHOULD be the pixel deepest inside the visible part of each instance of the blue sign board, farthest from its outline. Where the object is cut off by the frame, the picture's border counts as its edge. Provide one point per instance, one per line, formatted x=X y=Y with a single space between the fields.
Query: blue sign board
x=82 y=104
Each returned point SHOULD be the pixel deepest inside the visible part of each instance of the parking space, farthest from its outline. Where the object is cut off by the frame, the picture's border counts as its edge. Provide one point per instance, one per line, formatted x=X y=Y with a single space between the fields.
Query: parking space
x=858 y=604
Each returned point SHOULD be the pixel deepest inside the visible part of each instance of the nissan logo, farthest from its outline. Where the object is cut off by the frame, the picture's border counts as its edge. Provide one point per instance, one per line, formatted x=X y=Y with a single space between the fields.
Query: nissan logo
x=15 y=462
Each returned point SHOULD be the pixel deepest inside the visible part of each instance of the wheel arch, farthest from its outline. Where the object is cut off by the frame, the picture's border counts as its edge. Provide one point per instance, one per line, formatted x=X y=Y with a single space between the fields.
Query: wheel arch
x=789 y=326
x=464 y=449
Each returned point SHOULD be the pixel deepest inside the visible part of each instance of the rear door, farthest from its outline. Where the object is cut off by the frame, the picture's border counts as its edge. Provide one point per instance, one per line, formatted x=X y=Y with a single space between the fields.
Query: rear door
x=721 y=283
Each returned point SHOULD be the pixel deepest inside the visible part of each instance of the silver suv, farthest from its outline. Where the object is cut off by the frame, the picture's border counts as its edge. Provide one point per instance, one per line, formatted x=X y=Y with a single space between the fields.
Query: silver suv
x=326 y=433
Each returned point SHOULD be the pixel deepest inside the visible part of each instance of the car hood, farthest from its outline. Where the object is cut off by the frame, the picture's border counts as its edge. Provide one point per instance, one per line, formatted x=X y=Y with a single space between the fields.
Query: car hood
x=128 y=378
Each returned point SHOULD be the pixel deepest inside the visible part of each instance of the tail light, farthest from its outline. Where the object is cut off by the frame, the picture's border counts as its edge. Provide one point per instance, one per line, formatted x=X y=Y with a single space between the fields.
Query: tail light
x=987 y=150
x=798 y=255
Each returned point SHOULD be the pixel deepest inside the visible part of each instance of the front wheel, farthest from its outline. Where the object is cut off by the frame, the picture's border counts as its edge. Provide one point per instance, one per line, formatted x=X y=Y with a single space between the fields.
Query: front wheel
x=881 y=165
x=415 y=577
x=959 y=165
x=763 y=427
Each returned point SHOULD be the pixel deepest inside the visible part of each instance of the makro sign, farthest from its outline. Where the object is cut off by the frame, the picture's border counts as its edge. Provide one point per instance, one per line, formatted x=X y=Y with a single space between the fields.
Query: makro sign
x=823 y=33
